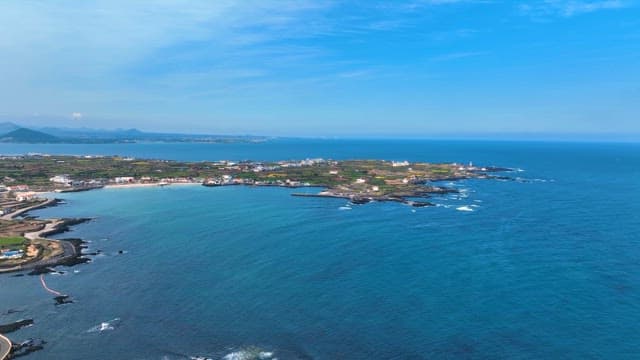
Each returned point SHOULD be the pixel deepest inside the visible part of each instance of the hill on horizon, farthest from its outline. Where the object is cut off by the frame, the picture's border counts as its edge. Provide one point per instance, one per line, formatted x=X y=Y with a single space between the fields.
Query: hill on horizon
x=12 y=133
x=6 y=127
x=24 y=135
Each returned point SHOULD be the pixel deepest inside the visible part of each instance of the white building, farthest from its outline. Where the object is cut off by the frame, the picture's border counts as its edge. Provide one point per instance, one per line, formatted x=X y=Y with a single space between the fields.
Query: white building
x=399 y=163
x=25 y=196
x=123 y=179
x=61 y=179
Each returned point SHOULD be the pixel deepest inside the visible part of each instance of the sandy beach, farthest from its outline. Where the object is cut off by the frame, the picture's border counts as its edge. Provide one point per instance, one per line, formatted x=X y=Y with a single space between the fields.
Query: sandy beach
x=139 y=185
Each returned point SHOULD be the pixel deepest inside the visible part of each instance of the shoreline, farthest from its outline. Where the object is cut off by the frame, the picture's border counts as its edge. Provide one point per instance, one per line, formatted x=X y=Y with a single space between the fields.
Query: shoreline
x=358 y=181
x=145 y=185
x=66 y=252
x=48 y=203
x=405 y=186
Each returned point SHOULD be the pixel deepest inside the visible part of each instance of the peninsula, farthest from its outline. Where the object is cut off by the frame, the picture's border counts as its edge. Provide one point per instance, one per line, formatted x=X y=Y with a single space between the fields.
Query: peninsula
x=23 y=180
x=360 y=180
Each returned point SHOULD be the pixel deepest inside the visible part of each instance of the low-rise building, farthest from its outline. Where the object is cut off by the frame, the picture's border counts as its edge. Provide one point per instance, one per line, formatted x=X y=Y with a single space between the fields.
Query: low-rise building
x=61 y=179
x=399 y=163
x=18 y=188
x=124 y=179
x=25 y=196
x=6 y=254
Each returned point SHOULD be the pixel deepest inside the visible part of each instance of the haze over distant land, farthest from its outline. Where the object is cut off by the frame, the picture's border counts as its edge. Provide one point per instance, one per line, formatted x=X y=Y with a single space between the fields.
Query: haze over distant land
x=421 y=68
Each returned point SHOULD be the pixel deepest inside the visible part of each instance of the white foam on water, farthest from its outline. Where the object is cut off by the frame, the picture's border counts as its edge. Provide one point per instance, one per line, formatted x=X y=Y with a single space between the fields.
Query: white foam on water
x=105 y=326
x=464 y=208
x=249 y=354
x=345 y=208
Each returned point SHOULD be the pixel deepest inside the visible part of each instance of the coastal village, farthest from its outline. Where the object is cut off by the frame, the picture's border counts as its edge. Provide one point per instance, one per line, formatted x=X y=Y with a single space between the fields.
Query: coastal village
x=25 y=176
x=25 y=179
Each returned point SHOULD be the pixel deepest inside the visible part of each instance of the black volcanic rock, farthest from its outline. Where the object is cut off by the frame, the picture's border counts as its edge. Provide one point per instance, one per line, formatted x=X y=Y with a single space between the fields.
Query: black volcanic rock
x=5 y=329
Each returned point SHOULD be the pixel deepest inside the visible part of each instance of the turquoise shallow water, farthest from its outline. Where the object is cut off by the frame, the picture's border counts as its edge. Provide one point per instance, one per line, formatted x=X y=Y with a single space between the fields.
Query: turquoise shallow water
x=541 y=269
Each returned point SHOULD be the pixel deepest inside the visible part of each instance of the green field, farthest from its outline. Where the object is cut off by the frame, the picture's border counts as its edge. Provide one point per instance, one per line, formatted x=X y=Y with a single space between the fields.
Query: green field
x=14 y=241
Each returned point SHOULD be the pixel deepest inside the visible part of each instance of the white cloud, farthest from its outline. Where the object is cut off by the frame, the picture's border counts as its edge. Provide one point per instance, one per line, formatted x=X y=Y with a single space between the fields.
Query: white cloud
x=65 y=51
x=123 y=58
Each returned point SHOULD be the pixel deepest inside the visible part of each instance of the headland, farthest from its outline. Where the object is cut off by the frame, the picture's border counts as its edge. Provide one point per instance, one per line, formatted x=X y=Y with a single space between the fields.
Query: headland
x=26 y=179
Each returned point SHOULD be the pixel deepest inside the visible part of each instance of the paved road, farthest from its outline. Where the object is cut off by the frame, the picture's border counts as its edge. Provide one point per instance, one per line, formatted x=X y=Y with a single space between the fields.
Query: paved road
x=5 y=347
x=19 y=212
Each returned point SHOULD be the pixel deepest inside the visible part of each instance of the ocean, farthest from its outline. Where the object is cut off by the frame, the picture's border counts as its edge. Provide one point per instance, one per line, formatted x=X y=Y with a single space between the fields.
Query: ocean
x=546 y=267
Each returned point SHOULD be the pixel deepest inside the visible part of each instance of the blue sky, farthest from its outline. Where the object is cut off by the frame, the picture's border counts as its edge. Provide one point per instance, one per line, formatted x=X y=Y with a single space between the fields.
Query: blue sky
x=324 y=68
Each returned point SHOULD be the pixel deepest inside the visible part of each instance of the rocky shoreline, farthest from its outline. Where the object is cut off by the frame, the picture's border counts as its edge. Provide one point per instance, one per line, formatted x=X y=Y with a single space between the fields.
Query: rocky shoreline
x=362 y=183
x=71 y=249
x=71 y=254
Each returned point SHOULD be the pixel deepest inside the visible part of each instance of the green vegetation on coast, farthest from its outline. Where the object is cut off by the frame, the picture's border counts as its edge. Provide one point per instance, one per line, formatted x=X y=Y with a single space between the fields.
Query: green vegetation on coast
x=12 y=241
x=362 y=179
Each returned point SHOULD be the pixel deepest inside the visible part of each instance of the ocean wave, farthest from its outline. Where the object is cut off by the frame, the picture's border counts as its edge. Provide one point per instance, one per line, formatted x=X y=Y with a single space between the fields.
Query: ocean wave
x=250 y=354
x=464 y=208
x=344 y=208
x=105 y=326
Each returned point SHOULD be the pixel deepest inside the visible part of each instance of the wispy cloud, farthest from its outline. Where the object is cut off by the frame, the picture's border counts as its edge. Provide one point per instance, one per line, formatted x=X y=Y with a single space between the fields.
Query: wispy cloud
x=106 y=44
x=279 y=61
x=569 y=8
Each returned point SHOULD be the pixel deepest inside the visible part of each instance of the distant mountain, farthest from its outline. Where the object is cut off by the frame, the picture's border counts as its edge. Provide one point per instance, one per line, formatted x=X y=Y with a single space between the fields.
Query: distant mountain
x=87 y=133
x=12 y=133
x=24 y=135
x=7 y=127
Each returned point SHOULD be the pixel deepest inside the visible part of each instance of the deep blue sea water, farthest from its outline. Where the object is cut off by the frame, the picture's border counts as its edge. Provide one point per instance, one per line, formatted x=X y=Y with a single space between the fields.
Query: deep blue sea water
x=543 y=269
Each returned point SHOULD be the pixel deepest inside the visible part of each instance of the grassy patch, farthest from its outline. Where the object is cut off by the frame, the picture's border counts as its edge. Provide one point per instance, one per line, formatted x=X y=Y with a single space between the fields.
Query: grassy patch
x=13 y=241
